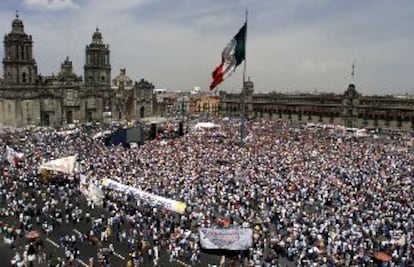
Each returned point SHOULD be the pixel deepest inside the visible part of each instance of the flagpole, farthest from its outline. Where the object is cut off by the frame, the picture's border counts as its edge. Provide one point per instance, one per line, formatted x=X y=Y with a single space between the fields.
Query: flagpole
x=243 y=92
x=353 y=73
x=245 y=58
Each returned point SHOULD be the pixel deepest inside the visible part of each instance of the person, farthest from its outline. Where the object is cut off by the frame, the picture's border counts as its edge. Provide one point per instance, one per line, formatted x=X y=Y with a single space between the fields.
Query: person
x=15 y=261
x=129 y=262
x=313 y=199
x=222 y=261
x=91 y=262
x=31 y=254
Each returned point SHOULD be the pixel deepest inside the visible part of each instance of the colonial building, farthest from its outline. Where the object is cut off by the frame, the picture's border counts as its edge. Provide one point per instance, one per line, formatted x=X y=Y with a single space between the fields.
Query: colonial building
x=350 y=109
x=181 y=106
x=58 y=109
x=202 y=104
x=131 y=100
x=123 y=102
x=26 y=98
x=145 y=98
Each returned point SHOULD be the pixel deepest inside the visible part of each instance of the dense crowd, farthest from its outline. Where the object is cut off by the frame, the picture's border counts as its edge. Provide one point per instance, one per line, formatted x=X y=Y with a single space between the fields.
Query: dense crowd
x=313 y=195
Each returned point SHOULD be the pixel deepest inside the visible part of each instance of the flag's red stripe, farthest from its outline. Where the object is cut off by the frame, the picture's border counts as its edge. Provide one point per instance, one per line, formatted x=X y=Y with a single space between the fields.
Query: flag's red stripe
x=217 y=76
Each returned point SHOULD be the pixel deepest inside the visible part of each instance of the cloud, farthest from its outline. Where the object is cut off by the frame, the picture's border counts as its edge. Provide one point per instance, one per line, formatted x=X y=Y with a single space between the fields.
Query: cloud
x=50 y=4
x=291 y=45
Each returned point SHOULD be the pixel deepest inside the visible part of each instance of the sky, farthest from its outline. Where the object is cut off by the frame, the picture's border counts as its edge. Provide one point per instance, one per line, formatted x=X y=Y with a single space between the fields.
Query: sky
x=292 y=45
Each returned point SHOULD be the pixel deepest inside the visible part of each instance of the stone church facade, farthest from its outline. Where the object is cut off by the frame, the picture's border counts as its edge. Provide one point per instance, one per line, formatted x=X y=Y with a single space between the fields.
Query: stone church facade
x=27 y=98
x=131 y=100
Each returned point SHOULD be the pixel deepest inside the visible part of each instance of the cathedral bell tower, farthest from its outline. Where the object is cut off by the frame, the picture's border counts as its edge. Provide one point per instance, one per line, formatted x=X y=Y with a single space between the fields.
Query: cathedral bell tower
x=18 y=63
x=97 y=67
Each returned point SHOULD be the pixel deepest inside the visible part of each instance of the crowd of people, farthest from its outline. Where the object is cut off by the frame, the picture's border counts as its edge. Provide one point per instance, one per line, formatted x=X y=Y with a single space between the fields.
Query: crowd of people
x=314 y=196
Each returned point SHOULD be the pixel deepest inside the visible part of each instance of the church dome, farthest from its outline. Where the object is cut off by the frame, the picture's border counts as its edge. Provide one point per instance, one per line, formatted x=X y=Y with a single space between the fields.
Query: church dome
x=122 y=81
x=97 y=37
x=17 y=25
x=249 y=84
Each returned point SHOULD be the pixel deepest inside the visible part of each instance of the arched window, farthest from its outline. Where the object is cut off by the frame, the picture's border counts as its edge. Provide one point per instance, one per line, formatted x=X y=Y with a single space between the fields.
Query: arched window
x=24 y=80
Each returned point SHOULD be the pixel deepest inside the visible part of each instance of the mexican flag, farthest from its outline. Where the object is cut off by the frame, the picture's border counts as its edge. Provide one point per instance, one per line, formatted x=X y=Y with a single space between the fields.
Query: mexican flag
x=233 y=54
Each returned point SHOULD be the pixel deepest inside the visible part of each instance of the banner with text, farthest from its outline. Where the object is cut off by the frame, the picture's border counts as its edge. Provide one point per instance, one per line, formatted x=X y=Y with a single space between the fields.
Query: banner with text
x=230 y=239
x=65 y=165
x=152 y=199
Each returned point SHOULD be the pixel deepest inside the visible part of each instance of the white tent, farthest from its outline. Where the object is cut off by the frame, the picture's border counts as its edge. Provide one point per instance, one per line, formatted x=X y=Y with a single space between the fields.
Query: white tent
x=361 y=133
x=100 y=134
x=206 y=125
x=156 y=120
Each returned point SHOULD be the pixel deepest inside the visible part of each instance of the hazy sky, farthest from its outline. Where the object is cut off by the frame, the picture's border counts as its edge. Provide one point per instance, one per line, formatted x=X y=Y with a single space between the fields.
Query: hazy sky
x=292 y=45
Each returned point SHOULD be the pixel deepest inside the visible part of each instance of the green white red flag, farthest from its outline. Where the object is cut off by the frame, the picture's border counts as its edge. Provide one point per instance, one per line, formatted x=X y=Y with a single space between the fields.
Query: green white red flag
x=233 y=54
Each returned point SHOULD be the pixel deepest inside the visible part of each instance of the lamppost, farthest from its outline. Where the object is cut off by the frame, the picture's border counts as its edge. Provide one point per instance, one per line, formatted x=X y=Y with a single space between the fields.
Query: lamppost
x=183 y=111
x=107 y=114
x=182 y=108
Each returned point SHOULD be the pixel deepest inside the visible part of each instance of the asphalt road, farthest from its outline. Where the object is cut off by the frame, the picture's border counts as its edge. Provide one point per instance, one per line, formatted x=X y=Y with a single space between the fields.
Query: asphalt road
x=87 y=249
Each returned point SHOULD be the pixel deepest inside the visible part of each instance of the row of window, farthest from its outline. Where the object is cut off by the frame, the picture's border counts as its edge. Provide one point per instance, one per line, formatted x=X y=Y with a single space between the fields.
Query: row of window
x=322 y=101
x=21 y=52
x=97 y=59
x=91 y=79
x=388 y=103
x=25 y=78
x=360 y=113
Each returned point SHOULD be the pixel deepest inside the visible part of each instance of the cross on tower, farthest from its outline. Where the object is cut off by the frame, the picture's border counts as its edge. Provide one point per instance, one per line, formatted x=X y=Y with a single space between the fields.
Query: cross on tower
x=353 y=72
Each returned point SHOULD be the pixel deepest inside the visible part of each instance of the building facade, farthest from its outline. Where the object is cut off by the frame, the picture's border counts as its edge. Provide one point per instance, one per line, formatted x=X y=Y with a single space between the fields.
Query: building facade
x=205 y=104
x=131 y=100
x=27 y=98
x=350 y=109
x=145 y=100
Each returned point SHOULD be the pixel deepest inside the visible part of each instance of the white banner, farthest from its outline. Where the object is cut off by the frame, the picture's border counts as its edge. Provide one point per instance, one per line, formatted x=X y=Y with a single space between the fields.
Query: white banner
x=90 y=190
x=65 y=165
x=95 y=194
x=230 y=239
x=83 y=185
x=152 y=199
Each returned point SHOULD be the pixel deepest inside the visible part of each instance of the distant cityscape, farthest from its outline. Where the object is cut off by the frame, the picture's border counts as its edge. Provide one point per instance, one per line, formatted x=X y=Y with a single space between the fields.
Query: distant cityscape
x=27 y=98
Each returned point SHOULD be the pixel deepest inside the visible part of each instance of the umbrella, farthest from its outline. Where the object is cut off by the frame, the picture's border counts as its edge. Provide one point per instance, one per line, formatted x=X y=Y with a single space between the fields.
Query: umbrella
x=382 y=256
x=32 y=235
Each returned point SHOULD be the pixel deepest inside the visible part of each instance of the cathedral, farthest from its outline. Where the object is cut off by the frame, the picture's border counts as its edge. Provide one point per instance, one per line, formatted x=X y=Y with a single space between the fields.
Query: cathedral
x=27 y=98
